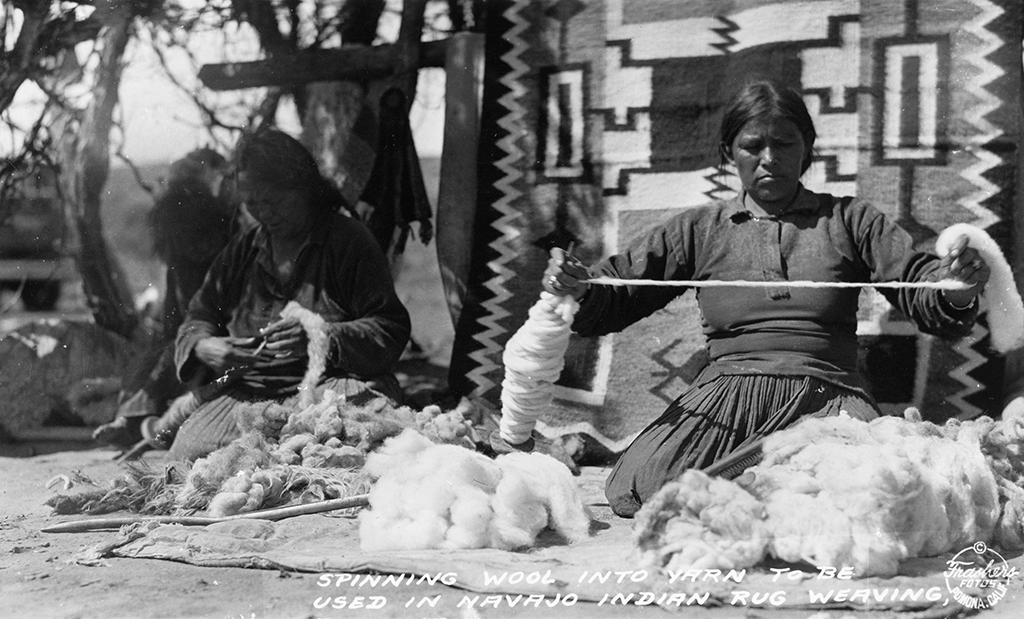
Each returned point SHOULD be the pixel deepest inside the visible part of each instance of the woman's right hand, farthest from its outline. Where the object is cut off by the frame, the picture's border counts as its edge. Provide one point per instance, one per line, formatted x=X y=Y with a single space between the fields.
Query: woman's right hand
x=565 y=275
x=226 y=353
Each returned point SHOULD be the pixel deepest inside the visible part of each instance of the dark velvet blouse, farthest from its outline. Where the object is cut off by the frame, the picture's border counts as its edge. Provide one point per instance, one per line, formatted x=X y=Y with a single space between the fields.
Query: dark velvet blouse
x=779 y=330
x=340 y=273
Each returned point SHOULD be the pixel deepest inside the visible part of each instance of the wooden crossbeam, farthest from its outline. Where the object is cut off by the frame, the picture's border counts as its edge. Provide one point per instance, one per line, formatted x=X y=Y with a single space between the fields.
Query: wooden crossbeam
x=355 y=62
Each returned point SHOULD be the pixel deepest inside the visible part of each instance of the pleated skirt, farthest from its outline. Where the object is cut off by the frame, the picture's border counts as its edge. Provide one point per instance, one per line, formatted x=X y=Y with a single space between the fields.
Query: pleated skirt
x=214 y=423
x=711 y=420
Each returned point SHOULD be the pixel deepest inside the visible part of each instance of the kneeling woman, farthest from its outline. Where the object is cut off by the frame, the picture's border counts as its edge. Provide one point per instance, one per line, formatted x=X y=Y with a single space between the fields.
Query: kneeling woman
x=777 y=353
x=303 y=250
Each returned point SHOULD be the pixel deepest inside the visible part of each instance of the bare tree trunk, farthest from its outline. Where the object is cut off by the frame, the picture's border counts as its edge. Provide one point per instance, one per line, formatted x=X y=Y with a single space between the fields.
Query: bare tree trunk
x=106 y=287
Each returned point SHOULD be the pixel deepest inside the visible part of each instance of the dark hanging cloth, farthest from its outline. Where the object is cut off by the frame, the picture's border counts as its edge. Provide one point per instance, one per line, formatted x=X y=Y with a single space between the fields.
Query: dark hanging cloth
x=395 y=188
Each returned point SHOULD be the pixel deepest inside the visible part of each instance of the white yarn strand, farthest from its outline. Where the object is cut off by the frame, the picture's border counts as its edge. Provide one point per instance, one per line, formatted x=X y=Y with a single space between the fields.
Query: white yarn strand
x=534 y=358
x=946 y=284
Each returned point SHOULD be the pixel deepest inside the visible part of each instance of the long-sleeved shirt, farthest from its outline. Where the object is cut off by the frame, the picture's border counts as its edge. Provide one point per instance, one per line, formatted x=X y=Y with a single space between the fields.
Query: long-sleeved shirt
x=779 y=330
x=340 y=273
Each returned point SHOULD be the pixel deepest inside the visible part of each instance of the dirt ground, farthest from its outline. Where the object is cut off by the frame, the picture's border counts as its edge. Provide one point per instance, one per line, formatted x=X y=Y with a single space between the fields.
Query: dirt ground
x=40 y=579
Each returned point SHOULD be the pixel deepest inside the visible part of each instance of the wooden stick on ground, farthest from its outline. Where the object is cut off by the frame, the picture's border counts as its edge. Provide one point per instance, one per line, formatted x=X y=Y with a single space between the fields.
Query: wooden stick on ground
x=277 y=513
x=135 y=452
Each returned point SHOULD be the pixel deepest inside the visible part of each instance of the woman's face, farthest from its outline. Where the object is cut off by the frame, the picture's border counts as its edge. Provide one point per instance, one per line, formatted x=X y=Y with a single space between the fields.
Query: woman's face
x=769 y=155
x=285 y=213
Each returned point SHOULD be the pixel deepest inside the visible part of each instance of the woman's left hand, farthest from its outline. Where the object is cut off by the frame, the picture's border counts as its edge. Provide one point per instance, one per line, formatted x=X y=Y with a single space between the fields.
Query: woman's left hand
x=964 y=264
x=285 y=338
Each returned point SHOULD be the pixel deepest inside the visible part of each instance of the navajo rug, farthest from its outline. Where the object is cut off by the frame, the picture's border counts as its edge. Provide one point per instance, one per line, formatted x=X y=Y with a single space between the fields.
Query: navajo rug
x=600 y=118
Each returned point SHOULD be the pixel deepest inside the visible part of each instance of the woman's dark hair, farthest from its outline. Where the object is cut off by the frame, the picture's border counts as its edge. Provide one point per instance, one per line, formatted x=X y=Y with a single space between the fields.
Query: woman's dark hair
x=205 y=158
x=188 y=222
x=766 y=100
x=281 y=161
x=192 y=169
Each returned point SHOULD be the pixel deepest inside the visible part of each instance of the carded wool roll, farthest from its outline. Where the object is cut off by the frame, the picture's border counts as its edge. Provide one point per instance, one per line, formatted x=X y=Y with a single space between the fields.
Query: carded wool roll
x=316 y=348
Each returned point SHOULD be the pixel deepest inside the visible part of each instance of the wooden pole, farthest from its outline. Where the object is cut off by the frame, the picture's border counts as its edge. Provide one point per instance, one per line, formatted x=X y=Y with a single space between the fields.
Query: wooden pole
x=277 y=513
x=355 y=62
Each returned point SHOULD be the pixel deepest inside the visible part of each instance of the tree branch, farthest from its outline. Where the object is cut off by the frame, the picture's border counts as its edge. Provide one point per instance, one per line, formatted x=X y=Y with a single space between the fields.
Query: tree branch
x=136 y=173
x=16 y=65
x=212 y=118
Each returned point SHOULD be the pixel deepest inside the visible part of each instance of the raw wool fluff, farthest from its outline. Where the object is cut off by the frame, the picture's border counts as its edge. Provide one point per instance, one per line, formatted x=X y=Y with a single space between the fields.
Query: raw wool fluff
x=1002 y=442
x=316 y=348
x=365 y=423
x=246 y=491
x=247 y=453
x=700 y=522
x=283 y=457
x=842 y=492
x=1005 y=308
x=445 y=496
x=959 y=490
x=240 y=477
x=328 y=441
x=839 y=491
x=534 y=357
x=248 y=474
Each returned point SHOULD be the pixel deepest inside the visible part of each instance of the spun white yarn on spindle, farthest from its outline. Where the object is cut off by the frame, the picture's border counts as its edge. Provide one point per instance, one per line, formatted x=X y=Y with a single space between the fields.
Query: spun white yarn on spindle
x=534 y=358
x=316 y=348
x=1000 y=295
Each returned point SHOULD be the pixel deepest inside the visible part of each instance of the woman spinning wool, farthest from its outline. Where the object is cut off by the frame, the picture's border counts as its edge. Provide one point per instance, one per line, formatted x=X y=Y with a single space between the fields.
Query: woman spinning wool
x=777 y=353
x=302 y=251
x=191 y=223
